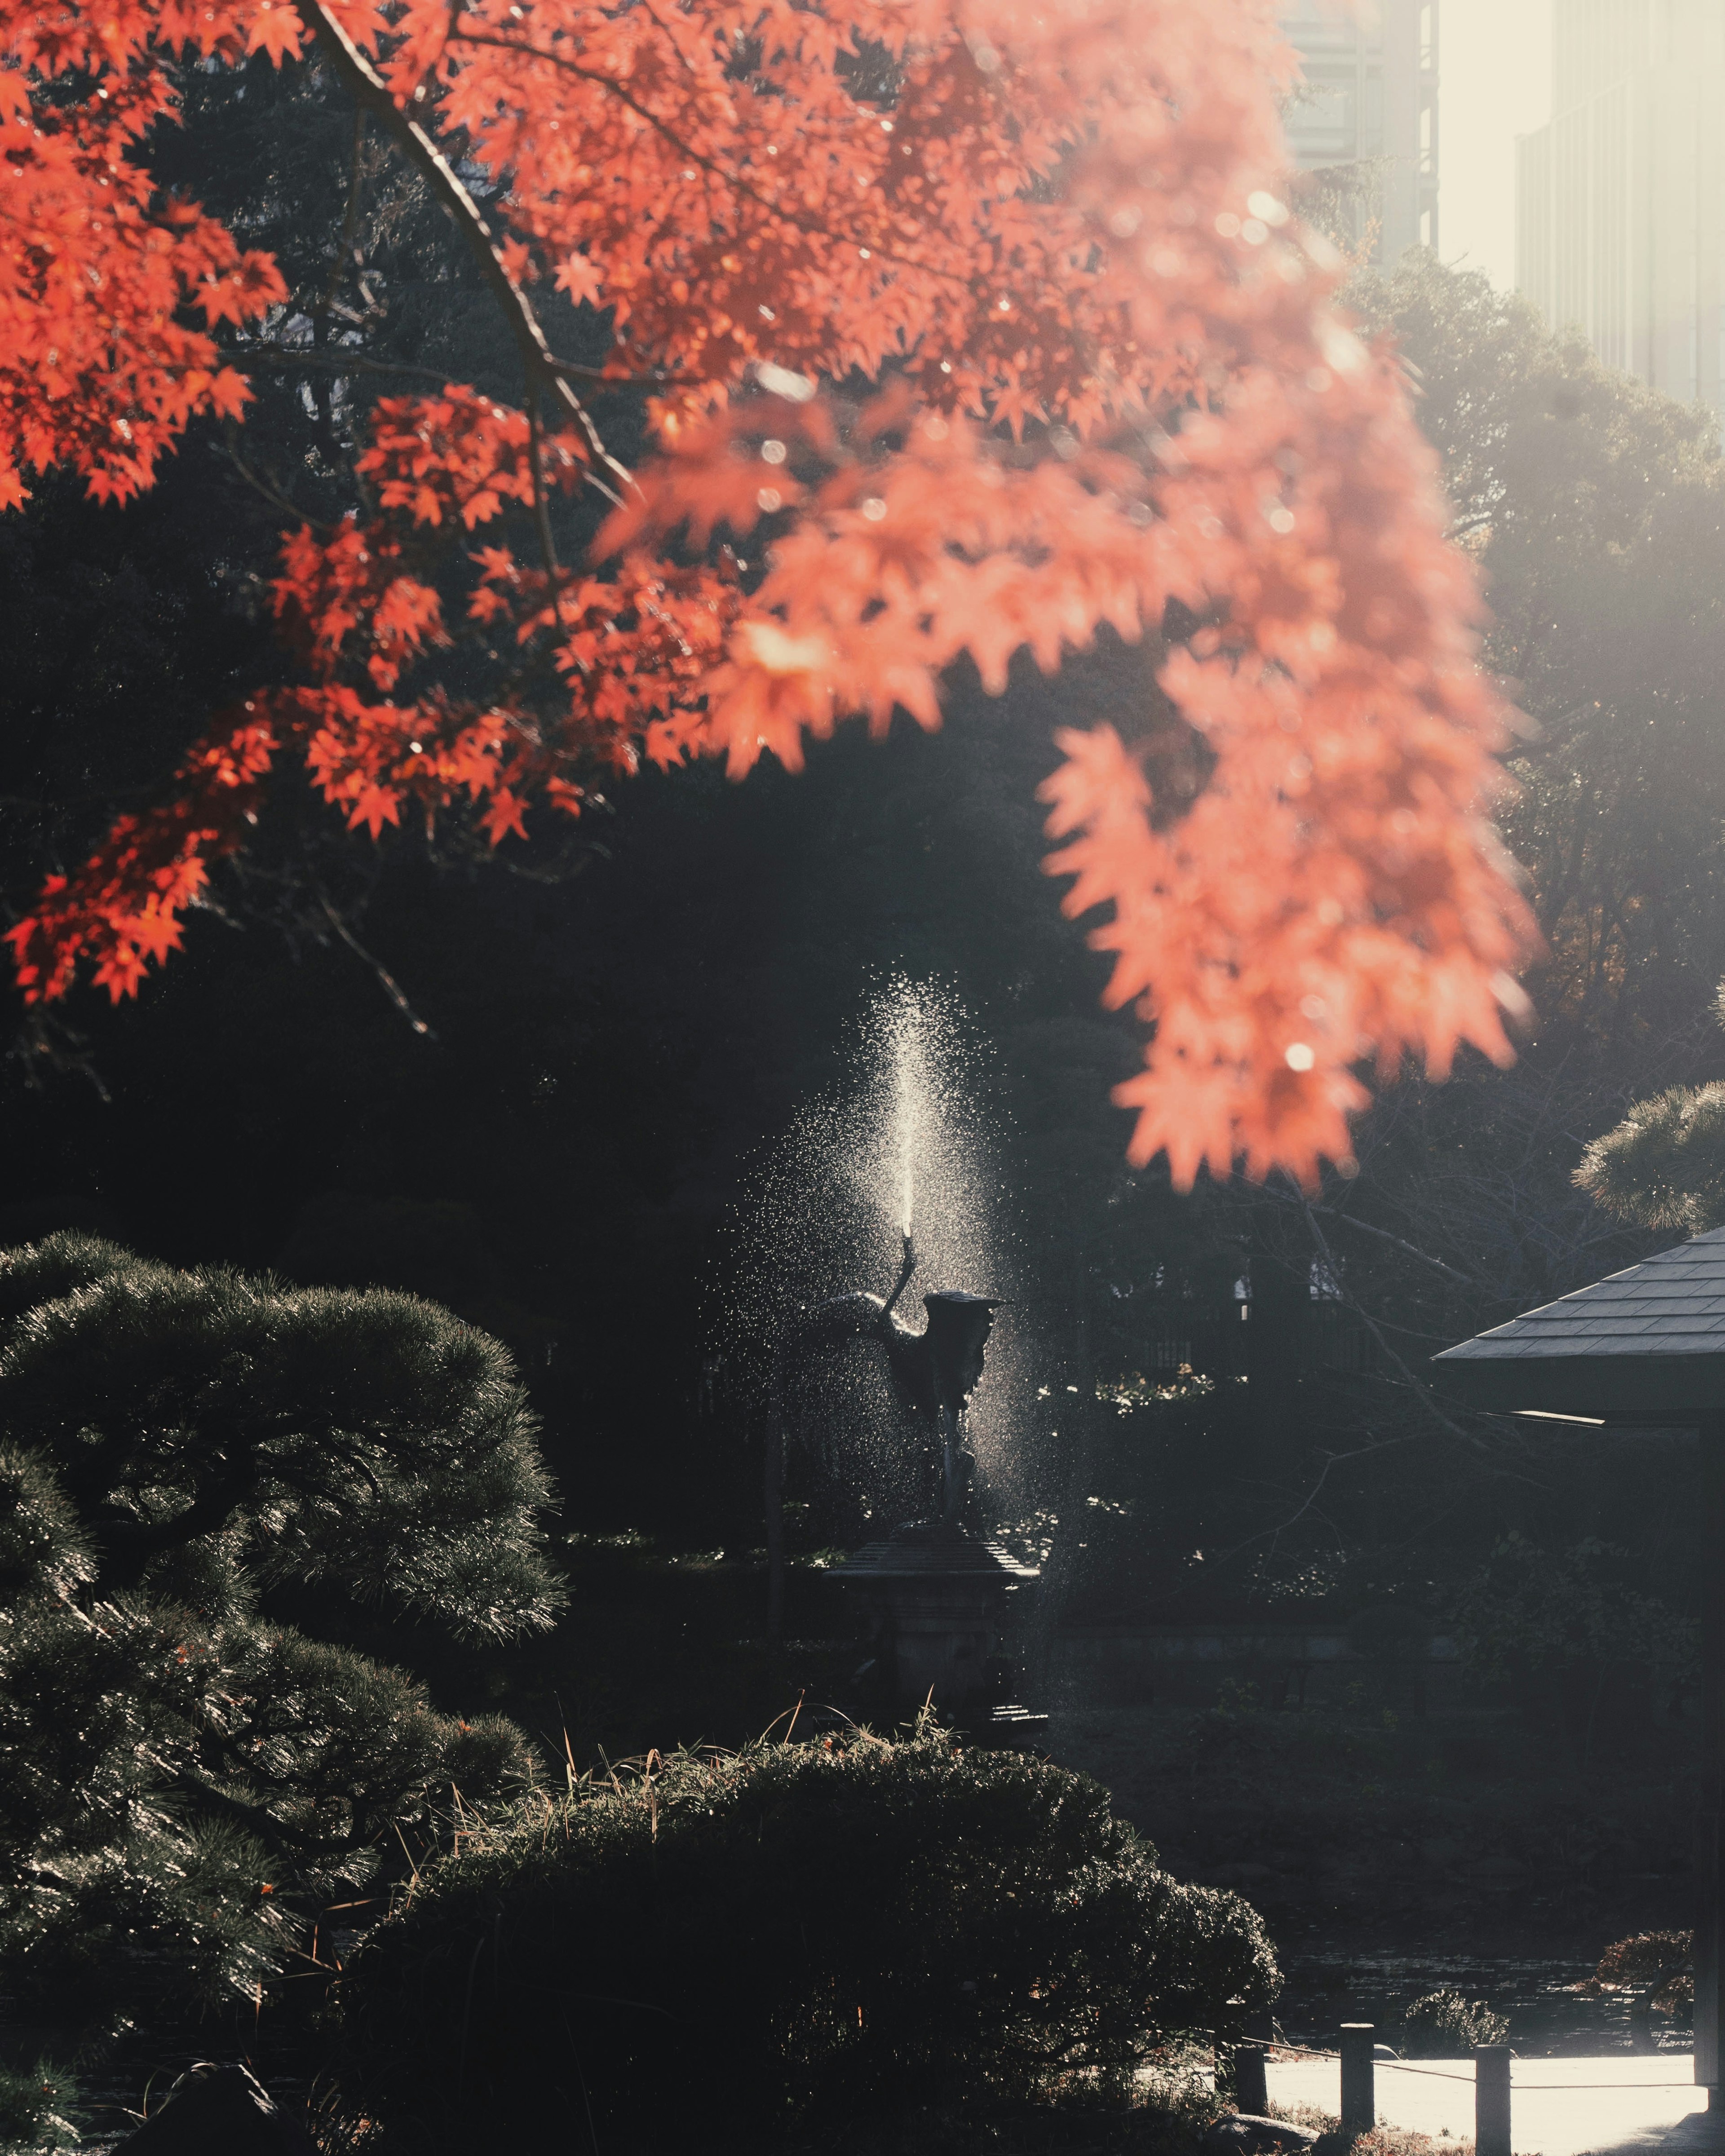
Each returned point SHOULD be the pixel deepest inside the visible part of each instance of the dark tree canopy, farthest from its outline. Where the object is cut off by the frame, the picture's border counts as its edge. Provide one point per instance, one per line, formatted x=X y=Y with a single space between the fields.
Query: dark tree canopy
x=181 y=1768
x=219 y=1436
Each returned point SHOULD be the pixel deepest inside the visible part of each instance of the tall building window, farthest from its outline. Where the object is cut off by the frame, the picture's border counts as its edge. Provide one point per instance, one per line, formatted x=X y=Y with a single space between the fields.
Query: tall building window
x=1620 y=214
x=1364 y=124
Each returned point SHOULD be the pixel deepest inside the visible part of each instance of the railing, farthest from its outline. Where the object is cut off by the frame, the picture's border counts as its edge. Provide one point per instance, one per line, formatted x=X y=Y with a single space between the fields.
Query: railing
x=1357 y=2052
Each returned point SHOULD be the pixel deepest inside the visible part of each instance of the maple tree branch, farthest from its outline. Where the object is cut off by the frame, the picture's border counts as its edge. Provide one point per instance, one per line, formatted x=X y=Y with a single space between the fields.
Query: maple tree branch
x=369 y=90
x=350 y=218
x=350 y=359
x=541 y=509
x=655 y=376
x=322 y=395
x=812 y=226
x=43 y=1046
x=338 y=359
x=267 y=487
x=385 y=980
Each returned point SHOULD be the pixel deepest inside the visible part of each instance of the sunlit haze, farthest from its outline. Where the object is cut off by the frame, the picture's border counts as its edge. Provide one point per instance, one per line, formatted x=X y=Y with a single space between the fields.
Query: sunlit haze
x=1495 y=84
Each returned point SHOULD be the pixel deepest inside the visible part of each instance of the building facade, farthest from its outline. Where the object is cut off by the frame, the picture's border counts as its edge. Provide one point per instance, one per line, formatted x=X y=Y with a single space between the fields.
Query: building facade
x=1620 y=198
x=1366 y=125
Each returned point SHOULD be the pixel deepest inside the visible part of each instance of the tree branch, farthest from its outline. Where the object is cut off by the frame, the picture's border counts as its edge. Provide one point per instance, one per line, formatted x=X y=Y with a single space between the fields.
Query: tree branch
x=350 y=359
x=368 y=89
x=385 y=980
x=131 y=1542
x=1421 y=1393
x=811 y=225
x=350 y=218
x=1384 y=1235
x=542 y=510
x=325 y=300
x=267 y=487
x=333 y=359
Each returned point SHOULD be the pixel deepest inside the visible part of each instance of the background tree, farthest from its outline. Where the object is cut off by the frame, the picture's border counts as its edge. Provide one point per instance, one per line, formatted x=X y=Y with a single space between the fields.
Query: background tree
x=1594 y=506
x=192 y=1459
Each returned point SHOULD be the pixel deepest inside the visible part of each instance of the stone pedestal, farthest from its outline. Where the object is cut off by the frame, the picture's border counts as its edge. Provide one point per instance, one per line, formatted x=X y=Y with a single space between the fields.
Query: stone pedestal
x=943 y=1604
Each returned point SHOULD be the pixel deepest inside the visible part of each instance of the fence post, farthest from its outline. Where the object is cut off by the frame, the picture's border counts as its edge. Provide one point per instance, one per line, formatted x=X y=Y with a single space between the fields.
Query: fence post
x=1360 y=2095
x=1490 y=2100
x=1251 y=2092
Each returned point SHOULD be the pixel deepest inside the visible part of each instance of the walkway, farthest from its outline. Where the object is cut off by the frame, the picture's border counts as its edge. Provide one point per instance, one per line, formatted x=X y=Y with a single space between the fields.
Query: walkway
x=1625 y=2105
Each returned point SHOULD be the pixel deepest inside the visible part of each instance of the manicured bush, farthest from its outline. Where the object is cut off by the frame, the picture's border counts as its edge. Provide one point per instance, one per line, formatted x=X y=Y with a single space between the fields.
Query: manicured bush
x=1443 y=2024
x=1663 y=1960
x=186 y=1779
x=732 y=1943
x=37 y=2108
x=1657 y=1970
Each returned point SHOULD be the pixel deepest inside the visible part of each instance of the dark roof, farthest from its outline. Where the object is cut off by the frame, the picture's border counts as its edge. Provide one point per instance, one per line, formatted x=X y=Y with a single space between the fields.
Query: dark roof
x=1653 y=1337
x=1673 y=1304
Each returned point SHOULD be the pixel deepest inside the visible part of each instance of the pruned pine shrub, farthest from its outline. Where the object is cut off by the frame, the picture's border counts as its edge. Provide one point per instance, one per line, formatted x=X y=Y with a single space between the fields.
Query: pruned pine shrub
x=186 y=1781
x=731 y=1943
x=1664 y=1959
x=1657 y=1970
x=1444 y=2024
x=38 y=2107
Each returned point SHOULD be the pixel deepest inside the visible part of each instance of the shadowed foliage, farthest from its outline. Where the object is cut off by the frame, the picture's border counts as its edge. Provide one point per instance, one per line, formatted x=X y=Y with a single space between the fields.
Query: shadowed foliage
x=179 y=1766
x=791 y=1931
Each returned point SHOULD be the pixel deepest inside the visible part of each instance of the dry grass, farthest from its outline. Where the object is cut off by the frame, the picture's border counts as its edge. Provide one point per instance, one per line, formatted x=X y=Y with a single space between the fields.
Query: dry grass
x=1381 y=2141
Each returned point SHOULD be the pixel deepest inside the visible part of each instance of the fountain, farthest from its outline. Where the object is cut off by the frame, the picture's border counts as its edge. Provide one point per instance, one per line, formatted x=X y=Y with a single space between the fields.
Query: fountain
x=938 y=1596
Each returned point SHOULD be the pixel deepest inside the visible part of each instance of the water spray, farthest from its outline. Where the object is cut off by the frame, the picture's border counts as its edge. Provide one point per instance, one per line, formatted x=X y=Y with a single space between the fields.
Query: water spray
x=896 y=1178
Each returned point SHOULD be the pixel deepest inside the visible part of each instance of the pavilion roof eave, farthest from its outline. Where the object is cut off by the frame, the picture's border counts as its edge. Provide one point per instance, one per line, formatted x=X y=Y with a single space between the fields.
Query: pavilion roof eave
x=1680 y=1390
x=1644 y=1345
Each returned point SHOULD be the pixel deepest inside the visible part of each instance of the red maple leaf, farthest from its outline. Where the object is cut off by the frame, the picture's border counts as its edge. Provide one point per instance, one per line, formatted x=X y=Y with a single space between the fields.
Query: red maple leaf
x=1061 y=242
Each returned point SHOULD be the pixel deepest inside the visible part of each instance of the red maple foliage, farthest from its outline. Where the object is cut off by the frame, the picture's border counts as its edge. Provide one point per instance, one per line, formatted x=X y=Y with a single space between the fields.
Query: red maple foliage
x=991 y=314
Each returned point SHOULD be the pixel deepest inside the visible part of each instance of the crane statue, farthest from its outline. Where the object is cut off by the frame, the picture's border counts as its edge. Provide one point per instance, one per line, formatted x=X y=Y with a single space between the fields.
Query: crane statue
x=933 y=1372
x=935 y=1588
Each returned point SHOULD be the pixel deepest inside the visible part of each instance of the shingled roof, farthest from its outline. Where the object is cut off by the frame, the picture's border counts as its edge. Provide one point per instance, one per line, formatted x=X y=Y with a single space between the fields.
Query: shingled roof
x=1646 y=1341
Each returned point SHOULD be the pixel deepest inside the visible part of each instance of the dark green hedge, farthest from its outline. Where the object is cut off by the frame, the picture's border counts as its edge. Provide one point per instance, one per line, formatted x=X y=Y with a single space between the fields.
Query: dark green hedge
x=735 y=1943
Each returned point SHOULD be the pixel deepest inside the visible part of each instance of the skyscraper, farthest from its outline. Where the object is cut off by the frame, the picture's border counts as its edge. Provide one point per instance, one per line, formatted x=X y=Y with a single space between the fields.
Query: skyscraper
x=1620 y=198
x=1367 y=121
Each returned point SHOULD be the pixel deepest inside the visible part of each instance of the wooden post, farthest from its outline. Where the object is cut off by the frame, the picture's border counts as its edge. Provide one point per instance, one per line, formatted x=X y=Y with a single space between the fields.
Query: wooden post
x=1251 y=2090
x=1704 y=1863
x=1707 y=1902
x=1490 y=2100
x=1359 y=2094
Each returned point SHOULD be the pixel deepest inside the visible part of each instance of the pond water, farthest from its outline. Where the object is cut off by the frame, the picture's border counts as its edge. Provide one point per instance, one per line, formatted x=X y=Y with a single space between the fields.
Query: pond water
x=1546 y=2017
